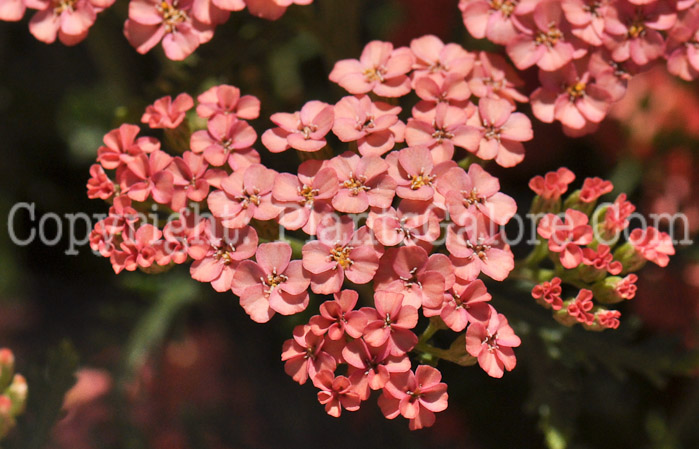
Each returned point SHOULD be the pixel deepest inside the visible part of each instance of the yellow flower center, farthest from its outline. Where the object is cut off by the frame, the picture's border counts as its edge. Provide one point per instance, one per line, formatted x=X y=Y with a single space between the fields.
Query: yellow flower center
x=308 y=194
x=355 y=185
x=577 y=90
x=505 y=7
x=550 y=37
x=421 y=180
x=341 y=255
x=171 y=15
x=375 y=74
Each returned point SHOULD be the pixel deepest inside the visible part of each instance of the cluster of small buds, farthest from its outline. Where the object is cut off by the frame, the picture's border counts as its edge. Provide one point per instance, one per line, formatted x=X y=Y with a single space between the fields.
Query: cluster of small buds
x=13 y=392
x=587 y=50
x=403 y=221
x=582 y=242
x=182 y=25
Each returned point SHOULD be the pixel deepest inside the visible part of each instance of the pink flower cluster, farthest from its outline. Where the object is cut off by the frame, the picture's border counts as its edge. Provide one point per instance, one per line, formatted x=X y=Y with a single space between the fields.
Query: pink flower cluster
x=376 y=218
x=395 y=217
x=586 y=50
x=445 y=77
x=181 y=25
x=586 y=256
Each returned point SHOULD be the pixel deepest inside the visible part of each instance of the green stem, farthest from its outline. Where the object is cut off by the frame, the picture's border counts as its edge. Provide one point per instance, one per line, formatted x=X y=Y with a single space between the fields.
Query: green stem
x=436 y=324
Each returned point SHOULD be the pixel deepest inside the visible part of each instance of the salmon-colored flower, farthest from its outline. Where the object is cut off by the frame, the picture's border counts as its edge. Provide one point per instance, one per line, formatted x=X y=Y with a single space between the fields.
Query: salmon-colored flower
x=492 y=343
x=272 y=284
x=364 y=181
x=580 y=307
x=244 y=195
x=138 y=250
x=380 y=69
x=593 y=188
x=340 y=252
x=336 y=393
x=422 y=279
x=634 y=30
x=99 y=185
x=391 y=321
x=502 y=132
x=653 y=245
x=545 y=44
x=496 y=21
x=416 y=172
x=478 y=248
x=304 y=130
x=566 y=237
x=12 y=10
x=226 y=139
x=494 y=77
x=371 y=367
x=333 y=318
x=413 y=223
x=440 y=129
x=225 y=99
x=305 y=355
x=305 y=198
x=466 y=303
x=608 y=319
x=67 y=20
x=552 y=185
x=417 y=396
x=121 y=146
x=550 y=293
x=151 y=21
x=225 y=249
x=192 y=179
x=146 y=176
x=571 y=96
x=373 y=125
x=166 y=112
x=433 y=57
x=475 y=192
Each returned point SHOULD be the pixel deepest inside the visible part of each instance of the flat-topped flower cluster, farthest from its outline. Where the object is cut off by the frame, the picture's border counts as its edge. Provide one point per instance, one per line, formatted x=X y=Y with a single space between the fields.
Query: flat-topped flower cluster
x=393 y=228
x=374 y=215
x=586 y=50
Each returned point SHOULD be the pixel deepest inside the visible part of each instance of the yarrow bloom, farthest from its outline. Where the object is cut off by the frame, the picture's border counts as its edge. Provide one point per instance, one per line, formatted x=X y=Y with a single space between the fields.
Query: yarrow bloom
x=593 y=188
x=336 y=393
x=226 y=100
x=417 y=396
x=552 y=185
x=166 y=112
x=502 y=132
x=580 y=307
x=67 y=20
x=244 y=195
x=305 y=198
x=171 y=21
x=652 y=245
x=380 y=69
x=492 y=343
x=340 y=251
x=566 y=237
x=373 y=125
x=375 y=212
x=550 y=293
x=272 y=284
x=475 y=192
x=304 y=130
